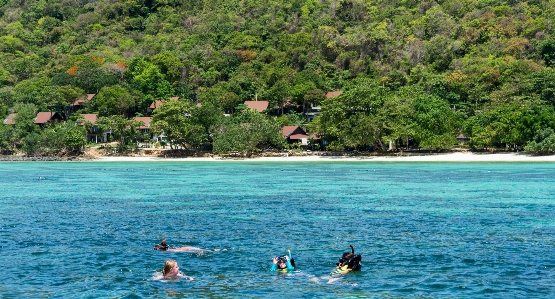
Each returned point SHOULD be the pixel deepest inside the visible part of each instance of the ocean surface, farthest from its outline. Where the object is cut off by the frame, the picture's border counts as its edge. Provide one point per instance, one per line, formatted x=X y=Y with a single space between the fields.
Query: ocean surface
x=424 y=230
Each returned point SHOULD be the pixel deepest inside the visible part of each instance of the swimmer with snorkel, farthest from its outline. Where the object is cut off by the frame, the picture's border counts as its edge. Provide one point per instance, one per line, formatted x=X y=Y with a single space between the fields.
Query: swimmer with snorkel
x=284 y=263
x=348 y=262
x=165 y=247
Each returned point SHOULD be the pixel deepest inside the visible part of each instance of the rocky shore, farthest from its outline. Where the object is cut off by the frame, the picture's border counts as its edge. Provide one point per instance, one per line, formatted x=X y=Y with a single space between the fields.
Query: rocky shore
x=16 y=158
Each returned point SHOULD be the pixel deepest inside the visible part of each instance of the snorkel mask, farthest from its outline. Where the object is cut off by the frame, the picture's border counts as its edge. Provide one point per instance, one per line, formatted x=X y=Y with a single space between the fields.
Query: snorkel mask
x=281 y=260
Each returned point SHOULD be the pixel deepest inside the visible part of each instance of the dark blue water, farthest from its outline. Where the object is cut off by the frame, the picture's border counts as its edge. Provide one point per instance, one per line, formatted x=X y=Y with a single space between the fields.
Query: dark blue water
x=425 y=230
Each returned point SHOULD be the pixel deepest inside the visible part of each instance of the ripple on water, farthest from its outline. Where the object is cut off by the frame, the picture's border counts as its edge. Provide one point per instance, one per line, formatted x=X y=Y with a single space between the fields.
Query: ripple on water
x=88 y=229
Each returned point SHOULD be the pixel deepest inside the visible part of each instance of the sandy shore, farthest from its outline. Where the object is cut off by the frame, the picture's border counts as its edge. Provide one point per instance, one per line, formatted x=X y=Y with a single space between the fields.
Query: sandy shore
x=451 y=157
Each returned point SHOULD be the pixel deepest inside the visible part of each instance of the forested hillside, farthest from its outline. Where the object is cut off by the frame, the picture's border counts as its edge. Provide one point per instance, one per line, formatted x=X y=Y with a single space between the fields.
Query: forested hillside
x=412 y=72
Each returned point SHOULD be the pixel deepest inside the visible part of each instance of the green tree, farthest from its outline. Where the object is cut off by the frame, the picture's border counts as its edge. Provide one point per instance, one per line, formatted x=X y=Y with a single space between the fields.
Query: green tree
x=291 y=119
x=113 y=100
x=314 y=97
x=247 y=132
x=74 y=137
x=25 y=120
x=209 y=117
x=396 y=118
x=543 y=142
x=174 y=120
x=146 y=77
x=437 y=124
x=8 y=139
x=64 y=97
x=121 y=128
x=37 y=91
x=169 y=65
x=90 y=76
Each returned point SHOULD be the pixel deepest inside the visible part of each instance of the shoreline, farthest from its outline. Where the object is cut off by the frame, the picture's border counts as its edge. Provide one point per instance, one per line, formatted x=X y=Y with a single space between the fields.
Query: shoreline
x=462 y=157
x=448 y=157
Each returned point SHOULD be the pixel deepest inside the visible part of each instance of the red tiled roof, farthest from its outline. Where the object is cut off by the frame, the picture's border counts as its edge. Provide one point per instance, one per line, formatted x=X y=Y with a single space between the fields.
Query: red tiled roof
x=83 y=99
x=10 y=120
x=156 y=104
x=332 y=94
x=293 y=132
x=44 y=117
x=287 y=130
x=298 y=136
x=258 y=105
x=144 y=119
x=90 y=118
x=159 y=103
x=199 y=105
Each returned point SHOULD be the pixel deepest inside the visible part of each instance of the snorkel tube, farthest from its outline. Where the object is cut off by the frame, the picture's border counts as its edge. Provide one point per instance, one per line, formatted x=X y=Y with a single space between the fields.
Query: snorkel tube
x=348 y=262
x=287 y=259
x=354 y=261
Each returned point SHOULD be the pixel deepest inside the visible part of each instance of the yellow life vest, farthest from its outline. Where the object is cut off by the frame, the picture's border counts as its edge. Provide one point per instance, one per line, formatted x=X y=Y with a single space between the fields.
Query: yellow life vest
x=340 y=270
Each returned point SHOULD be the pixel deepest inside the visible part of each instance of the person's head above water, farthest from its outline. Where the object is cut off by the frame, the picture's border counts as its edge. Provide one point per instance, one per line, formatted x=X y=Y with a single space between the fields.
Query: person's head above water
x=162 y=246
x=350 y=260
x=282 y=262
x=171 y=269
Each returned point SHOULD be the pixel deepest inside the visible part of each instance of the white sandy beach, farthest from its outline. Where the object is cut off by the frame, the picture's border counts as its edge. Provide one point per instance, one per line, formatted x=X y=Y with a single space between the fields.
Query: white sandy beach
x=449 y=157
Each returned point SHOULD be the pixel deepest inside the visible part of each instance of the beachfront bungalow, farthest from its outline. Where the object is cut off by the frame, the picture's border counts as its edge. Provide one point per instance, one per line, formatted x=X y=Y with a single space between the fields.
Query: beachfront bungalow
x=43 y=118
x=145 y=129
x=10 y=120
x=260 y=106
x=93 y=134
x=295 y=134
x=158 y=104
x=462 y=139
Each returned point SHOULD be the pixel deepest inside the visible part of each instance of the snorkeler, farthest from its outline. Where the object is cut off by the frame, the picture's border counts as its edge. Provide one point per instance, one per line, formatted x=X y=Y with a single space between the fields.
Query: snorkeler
x=348 y=262
x=284 y=263
x=165 y=247
x=162 y=246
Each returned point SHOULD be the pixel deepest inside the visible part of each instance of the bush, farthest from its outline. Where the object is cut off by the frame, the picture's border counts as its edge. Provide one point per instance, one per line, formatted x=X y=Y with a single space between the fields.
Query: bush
x=544 y=142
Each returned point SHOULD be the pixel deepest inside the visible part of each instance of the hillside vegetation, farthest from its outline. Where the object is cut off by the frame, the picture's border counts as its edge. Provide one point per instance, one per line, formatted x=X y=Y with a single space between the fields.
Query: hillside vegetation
x=415 y=73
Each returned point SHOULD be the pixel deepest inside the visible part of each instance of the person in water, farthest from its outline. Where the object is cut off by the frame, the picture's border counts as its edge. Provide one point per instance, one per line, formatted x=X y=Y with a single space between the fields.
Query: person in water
x=348 y=262
x=162 y=246
x=165 y=247
x=171 y=270
x=284 y=263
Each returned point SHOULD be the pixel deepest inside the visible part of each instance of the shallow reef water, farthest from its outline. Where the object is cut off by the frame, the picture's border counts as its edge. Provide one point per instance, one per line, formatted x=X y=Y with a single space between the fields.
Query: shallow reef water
x=424 y=230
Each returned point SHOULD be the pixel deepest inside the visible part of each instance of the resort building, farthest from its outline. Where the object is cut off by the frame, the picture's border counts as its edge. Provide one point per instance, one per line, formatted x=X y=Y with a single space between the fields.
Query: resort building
x=82 y=102
x=10 y=120
x=295 y=134
x=43 y=118
x=145 y=129
x=333 y=94
x=260 y=106
x=93 y=134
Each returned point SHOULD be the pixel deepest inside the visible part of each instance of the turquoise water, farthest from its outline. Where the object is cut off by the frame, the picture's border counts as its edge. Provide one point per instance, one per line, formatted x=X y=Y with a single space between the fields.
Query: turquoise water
x=425 y=230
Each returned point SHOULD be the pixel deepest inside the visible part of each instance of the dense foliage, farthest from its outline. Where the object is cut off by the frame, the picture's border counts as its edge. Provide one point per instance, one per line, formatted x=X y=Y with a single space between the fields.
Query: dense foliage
x=414 y=73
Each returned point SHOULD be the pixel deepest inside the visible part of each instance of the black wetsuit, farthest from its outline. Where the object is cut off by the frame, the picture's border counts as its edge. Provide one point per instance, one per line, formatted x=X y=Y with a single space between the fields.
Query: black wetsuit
x=161 y=246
